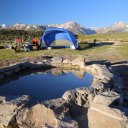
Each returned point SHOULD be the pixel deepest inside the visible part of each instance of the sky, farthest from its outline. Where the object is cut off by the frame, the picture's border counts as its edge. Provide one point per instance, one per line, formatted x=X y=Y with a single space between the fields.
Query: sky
x=89 y=13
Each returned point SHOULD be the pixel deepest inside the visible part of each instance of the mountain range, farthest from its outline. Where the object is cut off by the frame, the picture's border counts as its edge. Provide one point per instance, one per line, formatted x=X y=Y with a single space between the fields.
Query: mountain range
x=73 y=27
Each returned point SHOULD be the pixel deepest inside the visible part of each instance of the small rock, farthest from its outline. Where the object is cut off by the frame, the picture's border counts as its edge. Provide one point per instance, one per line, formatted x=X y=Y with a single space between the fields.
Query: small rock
x=57 y=60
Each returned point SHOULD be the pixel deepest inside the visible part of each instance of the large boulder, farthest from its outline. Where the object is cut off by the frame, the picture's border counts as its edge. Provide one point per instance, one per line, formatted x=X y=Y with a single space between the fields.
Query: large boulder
x=9 y=106
x=104 y=112
x=61 y=110
x=7 y=112
x=100 y=116
x=52 y=116
x=37 y=116
x=80 y=96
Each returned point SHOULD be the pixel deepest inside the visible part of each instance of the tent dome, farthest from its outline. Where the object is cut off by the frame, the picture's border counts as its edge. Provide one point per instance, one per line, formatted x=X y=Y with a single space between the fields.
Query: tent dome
x=53 y=34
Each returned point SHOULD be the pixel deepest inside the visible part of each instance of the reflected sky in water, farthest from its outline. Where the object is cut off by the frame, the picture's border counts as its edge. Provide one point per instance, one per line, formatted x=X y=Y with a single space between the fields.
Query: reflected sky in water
x=42 y=86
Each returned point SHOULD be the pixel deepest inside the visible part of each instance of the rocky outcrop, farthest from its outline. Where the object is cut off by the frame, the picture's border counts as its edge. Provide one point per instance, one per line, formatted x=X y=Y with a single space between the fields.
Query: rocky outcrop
x=62 y=112
x=9 y=107
x=97 y=110
x=102 y=77
x=72 y=62
x=54 y=114
x=104 y=106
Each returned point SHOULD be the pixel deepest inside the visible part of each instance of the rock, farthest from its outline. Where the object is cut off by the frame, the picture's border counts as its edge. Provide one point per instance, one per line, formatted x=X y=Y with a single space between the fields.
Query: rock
x=80 y=96
x=68 y=95
x=67 y=60
x=57 y=60
x=54 y=103
x=102 y=77
x=2 y=99
x=61 y=110
x=106 y=98
x=100 y=71
x=59 y=106
x=68 y=122
x=98 y=86
x=79 y=61
x=7 y=113
x=19 y=101
x=103 y=112
x=10 y=107
x=37 y=116
x=100 y=116
x=83 y=97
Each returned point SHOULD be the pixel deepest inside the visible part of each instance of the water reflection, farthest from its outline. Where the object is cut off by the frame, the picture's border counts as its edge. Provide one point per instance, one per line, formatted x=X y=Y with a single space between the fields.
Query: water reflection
x=45 y=85
x=58 y=72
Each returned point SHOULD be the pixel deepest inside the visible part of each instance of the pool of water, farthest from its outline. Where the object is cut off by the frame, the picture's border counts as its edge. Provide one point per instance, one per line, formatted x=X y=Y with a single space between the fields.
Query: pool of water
x=43 y=86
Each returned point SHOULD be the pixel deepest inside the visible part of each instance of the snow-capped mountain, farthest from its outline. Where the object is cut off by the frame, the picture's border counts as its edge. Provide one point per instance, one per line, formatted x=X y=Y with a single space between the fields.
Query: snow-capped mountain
x=114 y=28
x=3 y=26
x=74 y=27
x=26 y=27
x=71 y=26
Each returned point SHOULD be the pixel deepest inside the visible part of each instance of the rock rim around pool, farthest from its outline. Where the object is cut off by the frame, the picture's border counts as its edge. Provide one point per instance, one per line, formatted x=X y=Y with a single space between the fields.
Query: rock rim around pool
x=76 y=108
x=102 y=77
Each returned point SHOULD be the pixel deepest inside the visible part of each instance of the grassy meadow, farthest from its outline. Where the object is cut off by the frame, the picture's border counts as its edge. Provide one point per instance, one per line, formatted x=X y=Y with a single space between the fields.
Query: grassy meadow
x=109 y=47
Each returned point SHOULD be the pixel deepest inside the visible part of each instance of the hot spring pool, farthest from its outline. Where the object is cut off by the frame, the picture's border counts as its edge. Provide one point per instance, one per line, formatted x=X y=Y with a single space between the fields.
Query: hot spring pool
x=41 y=86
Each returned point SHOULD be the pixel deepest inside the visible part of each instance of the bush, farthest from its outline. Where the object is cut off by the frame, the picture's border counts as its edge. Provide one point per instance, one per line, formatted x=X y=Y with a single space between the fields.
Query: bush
x=8 y=36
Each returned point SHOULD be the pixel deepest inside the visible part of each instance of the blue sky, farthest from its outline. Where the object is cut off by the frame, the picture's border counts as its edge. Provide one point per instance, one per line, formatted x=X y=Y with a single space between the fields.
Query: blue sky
x=89 y=13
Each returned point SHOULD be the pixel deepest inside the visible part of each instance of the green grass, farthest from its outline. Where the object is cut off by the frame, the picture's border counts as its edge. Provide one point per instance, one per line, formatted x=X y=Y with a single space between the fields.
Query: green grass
x=123 y=50
x=88 y=50
x=6 y=54
x=123 y=37
x=93 y=53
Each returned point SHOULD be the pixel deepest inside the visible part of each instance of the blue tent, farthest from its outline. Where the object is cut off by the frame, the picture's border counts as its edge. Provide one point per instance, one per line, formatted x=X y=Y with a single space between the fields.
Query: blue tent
x=52 y=34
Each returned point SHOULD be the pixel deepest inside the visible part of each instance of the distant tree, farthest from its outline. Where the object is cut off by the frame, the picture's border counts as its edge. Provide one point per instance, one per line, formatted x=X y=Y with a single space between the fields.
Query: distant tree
x=10 y=35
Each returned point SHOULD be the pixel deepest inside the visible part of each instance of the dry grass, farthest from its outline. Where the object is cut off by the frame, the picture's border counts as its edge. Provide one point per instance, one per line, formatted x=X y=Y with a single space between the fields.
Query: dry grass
x=104 y=52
